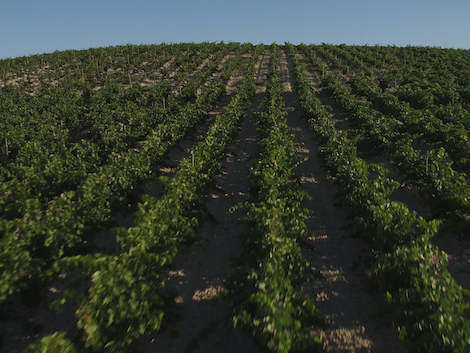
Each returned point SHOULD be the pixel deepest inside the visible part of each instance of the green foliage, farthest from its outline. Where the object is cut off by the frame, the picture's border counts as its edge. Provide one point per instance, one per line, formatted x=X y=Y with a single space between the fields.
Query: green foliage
x=55 y=343
x=430 y=309
x=267 y=284
x=124 y=300
x=80 y=133
x=446 y=189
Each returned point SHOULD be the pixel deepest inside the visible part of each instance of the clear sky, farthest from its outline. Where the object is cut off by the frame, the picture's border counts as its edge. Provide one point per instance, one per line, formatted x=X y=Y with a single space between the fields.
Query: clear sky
x=43 y=26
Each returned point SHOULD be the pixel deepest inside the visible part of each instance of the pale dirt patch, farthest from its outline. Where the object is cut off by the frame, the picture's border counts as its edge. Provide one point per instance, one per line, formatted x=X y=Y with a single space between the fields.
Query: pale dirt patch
x=458 y=252
x=286 y=78
x=211 y=292
x=311 y=76
x=201 y=66
x=262 y=72
x=235 y=78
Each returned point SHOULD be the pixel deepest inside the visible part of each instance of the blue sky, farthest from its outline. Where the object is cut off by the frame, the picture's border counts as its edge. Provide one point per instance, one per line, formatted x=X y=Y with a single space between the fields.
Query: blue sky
x=36 y=27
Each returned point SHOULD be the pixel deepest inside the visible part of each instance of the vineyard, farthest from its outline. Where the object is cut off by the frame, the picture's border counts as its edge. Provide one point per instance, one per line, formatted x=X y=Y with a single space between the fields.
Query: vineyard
x=227 y=197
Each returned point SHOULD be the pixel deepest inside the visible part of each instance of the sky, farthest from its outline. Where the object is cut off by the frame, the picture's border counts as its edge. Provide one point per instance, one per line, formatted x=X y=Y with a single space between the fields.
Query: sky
x=34 y=27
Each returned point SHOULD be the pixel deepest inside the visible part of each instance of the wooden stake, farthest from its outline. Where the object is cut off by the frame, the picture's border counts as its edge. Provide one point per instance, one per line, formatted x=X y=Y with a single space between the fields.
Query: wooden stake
x=130 y=82
x=6 y=146
x=163 y=103
x=427 y=160
x=192 y=159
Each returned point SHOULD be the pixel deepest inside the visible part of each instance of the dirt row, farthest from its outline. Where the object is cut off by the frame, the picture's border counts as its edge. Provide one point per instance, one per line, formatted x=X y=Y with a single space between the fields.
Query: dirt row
x=202 y=321
x=343 y=295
